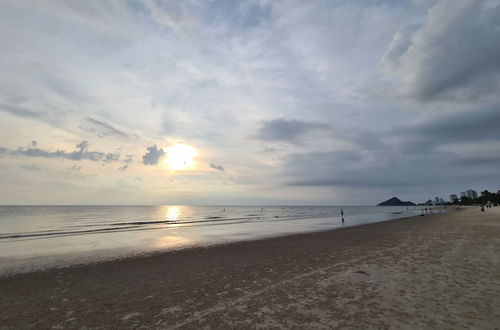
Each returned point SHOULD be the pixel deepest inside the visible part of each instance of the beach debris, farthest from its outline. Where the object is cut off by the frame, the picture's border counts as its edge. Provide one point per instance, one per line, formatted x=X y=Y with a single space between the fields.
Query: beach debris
x=362 y=272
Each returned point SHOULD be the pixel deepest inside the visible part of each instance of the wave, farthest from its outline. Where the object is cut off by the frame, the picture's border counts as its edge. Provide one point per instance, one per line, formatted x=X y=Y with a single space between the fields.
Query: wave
x=143 y=225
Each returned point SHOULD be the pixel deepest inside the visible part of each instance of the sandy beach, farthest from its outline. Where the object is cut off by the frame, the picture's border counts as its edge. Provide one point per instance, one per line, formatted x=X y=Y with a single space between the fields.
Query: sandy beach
x=432 y=272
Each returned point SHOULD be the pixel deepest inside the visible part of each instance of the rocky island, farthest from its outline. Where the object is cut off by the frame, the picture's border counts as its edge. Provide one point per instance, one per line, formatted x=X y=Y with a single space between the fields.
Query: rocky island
x=394 y=201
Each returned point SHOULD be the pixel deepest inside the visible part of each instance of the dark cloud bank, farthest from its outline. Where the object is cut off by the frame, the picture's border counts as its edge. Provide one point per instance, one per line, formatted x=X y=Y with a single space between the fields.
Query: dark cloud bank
x=287 y=130
x=454 y=57
x=406 y=156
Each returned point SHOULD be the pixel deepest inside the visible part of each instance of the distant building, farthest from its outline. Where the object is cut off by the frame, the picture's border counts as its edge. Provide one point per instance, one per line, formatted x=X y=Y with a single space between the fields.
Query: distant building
x=463 y=194
x=441 y=201
x=472 y=194
x=453 y=198
x=436 y=200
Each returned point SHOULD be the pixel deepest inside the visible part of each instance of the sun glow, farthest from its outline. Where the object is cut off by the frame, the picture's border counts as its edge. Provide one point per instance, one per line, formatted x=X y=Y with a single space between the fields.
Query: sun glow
x=180 y=157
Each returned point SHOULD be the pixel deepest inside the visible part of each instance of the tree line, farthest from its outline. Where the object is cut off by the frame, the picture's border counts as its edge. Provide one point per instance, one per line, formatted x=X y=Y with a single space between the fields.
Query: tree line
x=483 y=199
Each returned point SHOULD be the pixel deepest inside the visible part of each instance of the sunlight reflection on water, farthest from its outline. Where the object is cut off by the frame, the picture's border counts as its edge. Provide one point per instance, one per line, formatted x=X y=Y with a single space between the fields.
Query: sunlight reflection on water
x=173 y=213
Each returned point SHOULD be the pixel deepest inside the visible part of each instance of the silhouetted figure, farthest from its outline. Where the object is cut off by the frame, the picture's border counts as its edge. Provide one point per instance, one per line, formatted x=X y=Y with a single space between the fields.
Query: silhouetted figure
x=482 y=208
x=224 y=210
x=425 y=210
x=342 y=214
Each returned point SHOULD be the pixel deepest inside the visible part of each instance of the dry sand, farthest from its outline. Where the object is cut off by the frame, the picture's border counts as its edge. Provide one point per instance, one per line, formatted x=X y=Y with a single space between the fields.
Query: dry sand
x=432 y=272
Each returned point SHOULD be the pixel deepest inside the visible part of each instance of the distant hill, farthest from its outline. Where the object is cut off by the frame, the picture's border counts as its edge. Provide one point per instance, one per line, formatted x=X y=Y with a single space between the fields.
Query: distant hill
x=394 y=201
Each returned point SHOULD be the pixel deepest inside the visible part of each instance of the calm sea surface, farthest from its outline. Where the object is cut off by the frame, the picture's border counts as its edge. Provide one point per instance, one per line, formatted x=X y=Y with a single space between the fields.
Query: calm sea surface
x=37 y=237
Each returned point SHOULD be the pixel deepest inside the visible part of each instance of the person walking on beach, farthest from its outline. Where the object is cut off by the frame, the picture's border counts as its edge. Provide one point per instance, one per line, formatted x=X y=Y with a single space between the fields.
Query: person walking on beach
x=342 y=214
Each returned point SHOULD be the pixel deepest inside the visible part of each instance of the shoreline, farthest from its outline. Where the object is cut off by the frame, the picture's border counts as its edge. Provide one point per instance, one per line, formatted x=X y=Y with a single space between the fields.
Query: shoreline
x=71 y=260
x=434 y=271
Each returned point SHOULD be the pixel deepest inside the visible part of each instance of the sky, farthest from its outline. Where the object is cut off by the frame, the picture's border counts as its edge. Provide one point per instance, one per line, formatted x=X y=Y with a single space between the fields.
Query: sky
x=248 y=102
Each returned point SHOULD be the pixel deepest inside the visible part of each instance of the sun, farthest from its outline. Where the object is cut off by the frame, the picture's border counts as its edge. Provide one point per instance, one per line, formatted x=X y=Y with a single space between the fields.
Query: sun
x=180 y=157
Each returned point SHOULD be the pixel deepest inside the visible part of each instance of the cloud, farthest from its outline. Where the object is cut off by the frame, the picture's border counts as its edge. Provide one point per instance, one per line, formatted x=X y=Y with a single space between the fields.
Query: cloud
x=82 y=153
x=123 y=168
x=152 y=155
x=109 y=158
x=19 y=111
x=443 y=150
x=453 y=55
x=333 y=169
x=472 y=126
x=129 y=159
x=320 y=168
x=287 y=130
x=217 y=167
x=31 y=168
x=316 y=62
x=480 y=161
x=104 y=129
x=75 y=168
x=105 y=18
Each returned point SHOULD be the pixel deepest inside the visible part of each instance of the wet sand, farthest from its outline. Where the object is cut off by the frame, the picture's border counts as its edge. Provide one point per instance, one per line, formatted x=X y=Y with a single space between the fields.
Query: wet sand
x=439 y=271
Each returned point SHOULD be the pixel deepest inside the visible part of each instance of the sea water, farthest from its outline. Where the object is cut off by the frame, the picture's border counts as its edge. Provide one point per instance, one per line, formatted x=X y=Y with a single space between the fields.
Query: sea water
x=38 y=237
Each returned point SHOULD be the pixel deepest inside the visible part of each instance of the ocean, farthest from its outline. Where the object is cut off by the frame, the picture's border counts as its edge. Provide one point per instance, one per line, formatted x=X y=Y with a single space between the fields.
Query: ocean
x=40 y=237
